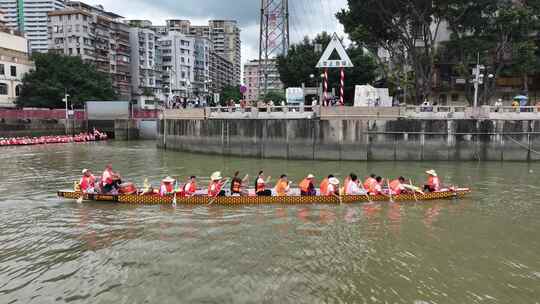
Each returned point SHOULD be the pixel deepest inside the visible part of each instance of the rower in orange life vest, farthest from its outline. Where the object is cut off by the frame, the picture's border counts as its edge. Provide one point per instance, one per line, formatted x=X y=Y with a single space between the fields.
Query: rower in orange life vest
x=167 y=186
x=306 y=186
x=396 y=186
x=88 y=182
x=352 y=187
x=323 y=187
x=376 y=188
x=237 y=185
x=260 y=185
x=110 y=180
x=433 y=183
x=283 y=186
x=333 y=187
x=191 y=186
x=216 y=185
x=370 y=182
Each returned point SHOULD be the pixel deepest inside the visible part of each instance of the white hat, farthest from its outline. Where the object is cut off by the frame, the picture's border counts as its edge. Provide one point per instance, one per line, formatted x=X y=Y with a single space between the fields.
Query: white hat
x=431 y=172
x=333 y=181
x=168 y=179
x=310 y=176
x=84 y=171
x=216 y=176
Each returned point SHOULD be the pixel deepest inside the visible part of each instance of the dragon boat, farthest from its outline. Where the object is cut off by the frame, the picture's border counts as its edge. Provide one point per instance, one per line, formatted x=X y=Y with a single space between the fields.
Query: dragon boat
x=154 y=199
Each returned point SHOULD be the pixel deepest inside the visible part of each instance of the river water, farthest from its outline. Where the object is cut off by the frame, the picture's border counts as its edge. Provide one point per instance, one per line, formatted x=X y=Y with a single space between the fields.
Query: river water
x=483 y=249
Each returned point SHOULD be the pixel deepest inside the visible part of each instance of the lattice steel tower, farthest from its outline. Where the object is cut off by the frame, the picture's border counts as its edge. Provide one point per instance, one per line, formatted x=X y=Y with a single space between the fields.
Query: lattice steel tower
x=274 y=38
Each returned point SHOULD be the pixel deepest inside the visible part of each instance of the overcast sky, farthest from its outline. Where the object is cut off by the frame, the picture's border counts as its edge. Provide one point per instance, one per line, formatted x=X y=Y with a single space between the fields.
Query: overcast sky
x=308 y=17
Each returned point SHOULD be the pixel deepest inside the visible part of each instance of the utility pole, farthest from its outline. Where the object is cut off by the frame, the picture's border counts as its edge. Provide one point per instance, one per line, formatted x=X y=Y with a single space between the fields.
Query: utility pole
x=65 y=100
x=274 y=37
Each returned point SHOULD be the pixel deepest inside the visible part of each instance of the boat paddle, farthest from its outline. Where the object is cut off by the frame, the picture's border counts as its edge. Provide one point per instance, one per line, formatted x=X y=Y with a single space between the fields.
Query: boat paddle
x=389 y=191
x=339 y=198
x=366 y=192
x=414 y=191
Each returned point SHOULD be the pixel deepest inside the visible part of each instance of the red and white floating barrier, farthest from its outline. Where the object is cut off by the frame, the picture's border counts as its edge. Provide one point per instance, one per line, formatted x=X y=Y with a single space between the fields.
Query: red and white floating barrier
x=53 y=139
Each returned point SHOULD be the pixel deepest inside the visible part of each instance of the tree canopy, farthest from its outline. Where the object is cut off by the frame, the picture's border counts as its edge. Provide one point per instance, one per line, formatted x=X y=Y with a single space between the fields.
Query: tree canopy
x=56 y=75
x=230 y=92
x=409 y=33
x=299 y=64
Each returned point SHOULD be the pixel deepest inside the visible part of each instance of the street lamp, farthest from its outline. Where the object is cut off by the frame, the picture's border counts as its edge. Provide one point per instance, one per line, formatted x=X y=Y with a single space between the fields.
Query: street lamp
x=65 y=100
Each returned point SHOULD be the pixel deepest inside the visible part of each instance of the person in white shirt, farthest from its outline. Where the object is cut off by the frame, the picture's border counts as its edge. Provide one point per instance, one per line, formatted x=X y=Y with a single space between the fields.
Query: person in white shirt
x=352 y=187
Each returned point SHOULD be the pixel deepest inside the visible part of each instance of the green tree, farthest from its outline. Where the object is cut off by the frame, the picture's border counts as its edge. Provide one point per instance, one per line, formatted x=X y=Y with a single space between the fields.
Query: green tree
x=300 y=62
x=274 y=95
x=408 y=30
x=230 y=92
x=56 y=75
x=501 y=33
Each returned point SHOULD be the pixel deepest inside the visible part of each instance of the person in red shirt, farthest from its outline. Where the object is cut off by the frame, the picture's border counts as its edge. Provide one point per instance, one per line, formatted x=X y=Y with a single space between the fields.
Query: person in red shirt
x=167 y=186
x=88 y=182
x=191 y=186
x=370 y=182
x=216 y=185
x=397 y=186
x=433 y=183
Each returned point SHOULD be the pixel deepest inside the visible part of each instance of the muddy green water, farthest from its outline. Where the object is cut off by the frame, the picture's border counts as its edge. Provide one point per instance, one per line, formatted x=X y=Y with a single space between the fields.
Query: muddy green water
x=483 y=249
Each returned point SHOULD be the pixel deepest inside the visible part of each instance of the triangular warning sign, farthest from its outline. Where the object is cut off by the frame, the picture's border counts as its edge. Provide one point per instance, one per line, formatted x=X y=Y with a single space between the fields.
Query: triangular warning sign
x=335 y=45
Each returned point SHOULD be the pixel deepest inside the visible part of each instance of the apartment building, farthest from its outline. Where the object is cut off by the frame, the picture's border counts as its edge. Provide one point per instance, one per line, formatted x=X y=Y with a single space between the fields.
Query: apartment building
x=254 y=80
x=98 y=37
x=146 y=72
x=224 y=35
x=201 y=67
x=30 y=17
x=14 y=64
x=3 y=23
x=221 y=72
x=178 y=64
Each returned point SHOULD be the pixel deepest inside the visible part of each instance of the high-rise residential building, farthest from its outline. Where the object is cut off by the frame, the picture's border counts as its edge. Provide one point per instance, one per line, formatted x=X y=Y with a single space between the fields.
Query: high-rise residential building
x=98 y=37
x=201 y=67
x=14 y=64
x=224 y=35
x=30 y=17
x=146 y=70
x=221 y=73
x=178 y=64
x=252 y=78
x=3 y=23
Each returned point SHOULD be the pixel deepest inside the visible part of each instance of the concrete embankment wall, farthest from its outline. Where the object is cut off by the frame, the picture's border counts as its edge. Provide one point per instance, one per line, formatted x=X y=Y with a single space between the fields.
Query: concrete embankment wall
x=38 y=127
x=354 y=139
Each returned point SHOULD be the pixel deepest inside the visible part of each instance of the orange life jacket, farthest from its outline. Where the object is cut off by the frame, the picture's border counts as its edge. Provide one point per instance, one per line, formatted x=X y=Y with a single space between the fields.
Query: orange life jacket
x=434 y=182
x=281 y=188
x=190 y=188
x=236 y=186
x=395 y=186
x=304 y=185
x=87 y=182
x=215 y=188
x=324 y=186
x=369 y=184
x=166 y=188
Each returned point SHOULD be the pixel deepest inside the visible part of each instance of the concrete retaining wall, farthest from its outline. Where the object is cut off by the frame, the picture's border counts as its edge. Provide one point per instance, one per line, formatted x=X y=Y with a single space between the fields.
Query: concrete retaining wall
x=374 y=140
x=38 y=127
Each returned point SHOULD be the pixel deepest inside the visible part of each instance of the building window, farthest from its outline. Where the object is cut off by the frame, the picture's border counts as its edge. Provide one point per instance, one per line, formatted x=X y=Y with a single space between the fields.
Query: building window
x=13 y=71
x=18 y=90
x=3 y=89
x=2 y=70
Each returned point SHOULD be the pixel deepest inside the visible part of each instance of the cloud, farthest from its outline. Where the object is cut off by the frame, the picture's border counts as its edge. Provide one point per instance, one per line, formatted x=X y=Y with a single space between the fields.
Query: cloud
x=307 y=17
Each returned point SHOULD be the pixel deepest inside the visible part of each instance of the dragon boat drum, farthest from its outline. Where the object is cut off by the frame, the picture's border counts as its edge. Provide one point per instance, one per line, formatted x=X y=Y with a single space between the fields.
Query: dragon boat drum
x=127 y=188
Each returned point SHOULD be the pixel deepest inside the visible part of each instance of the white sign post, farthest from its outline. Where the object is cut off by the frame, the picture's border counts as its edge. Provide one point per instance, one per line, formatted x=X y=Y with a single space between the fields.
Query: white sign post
x=343 y=62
